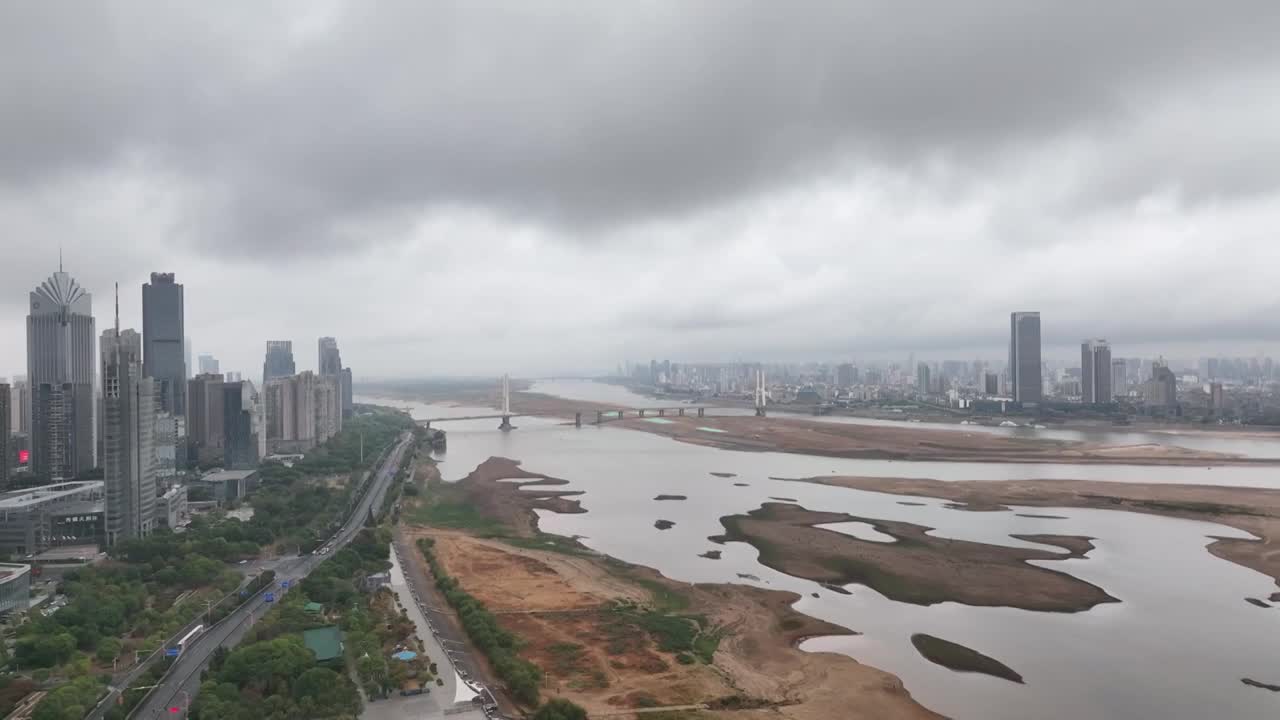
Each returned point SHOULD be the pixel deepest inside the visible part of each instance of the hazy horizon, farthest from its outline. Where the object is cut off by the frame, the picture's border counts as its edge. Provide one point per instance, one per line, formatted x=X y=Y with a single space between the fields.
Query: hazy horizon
x=566 y=191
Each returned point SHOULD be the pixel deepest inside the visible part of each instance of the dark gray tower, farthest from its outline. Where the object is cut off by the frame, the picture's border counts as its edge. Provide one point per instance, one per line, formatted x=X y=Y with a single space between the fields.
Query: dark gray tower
x=279 y=360
x=330 y=362
x=1095 y=371
x=163 y=341
x=60 y=359
x=1024 y=357
x=240 y=447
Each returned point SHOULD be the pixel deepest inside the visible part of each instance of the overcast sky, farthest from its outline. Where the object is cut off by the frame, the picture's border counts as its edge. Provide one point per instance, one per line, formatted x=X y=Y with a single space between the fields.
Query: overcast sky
x=474 y=187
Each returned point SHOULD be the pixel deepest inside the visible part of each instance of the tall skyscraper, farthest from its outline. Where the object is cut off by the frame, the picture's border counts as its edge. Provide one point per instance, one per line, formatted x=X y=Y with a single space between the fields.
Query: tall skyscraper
x=844 y=374
x=205 y=417
x=208 y=365
x=240 y=446
x=1119 y=379
x=163 y=335
x=60 y=338
x=1024 y=357
x=1095 y=372
x=6 y=455
x=186 y=357
x=330 y=362
x=348 y=405
x=279 y=360
x=128 y=425
x=330 y=366
x=1162 y=389
x=328 y=407
x=922 y=378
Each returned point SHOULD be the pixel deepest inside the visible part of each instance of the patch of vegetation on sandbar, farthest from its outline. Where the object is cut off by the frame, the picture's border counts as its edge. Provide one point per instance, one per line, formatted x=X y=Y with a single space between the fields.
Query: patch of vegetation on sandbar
x=663 y=524
x=960 y=658
x=672 y=497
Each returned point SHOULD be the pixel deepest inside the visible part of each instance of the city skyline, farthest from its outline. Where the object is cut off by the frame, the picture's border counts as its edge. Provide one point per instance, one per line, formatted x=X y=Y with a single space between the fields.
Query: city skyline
x=1058 y=349
x=830 y=198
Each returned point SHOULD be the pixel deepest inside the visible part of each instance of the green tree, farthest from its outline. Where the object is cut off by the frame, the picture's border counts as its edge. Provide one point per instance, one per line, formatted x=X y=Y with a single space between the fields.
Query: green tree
x=108 y=649
x=560 y=709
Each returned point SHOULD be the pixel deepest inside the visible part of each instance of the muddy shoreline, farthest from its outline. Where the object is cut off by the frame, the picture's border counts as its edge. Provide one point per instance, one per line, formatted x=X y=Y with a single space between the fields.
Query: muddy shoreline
x=907 y=443
x=560 y=598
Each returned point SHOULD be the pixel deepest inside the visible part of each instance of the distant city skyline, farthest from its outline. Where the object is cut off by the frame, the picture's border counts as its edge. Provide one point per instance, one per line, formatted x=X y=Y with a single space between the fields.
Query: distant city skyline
x=1058 y=348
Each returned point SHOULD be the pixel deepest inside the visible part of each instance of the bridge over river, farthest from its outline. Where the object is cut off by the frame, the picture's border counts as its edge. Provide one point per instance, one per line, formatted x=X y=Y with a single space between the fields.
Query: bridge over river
x=602 y=416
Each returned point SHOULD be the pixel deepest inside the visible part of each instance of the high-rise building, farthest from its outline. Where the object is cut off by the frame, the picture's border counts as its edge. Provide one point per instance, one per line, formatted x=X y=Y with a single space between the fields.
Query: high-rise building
x=845 y=374
x=1217 y=399
x=330 y=362
x=186 y=358
x=170 y=445
x=304 y=393
x=163 y=335
x=60 y=339
x=7 y=461
x=282 y=424
x=279 y=360
x=1119 y=379
x=205 y=417
x=240 y=446
x=1095 y=372
x=922 y=378
x=20 y=405
x=348 y=406
x=208 y=365
x=1162 y=390
x=128 y=425
x=1024 y=357
x=991 y=383
x=330 y=366
x=302 y=411
x=328 y=408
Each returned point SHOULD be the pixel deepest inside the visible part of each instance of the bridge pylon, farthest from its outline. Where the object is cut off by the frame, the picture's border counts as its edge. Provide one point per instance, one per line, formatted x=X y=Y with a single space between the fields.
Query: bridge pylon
x=506 y=425
x=760 y=393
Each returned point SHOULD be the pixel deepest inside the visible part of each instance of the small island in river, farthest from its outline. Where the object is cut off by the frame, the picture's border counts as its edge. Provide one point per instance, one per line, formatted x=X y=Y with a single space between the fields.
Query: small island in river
x=919 y=568
x=960 y=658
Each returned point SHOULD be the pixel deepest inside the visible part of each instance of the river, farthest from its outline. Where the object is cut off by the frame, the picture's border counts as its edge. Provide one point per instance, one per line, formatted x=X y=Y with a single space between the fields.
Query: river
x=1176 y=646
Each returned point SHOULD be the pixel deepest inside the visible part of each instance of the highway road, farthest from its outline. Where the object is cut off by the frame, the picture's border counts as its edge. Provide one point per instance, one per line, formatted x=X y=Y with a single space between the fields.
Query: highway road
x=172 y=698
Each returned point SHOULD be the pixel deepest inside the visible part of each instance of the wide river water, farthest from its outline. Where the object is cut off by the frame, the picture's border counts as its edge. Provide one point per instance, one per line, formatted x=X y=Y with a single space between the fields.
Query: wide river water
x=1176 y=645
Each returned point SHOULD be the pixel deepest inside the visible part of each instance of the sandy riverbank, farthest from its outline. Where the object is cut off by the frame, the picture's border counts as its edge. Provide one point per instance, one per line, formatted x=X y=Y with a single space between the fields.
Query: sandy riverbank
x=878 y=442
x=586 y=621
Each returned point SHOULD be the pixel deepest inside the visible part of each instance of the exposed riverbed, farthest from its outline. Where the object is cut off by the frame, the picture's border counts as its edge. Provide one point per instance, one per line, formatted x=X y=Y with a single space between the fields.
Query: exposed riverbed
x=1176 y=645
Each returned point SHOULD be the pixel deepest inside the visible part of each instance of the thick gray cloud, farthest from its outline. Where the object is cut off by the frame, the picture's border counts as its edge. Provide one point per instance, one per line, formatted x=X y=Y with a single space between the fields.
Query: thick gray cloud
x=713 y=178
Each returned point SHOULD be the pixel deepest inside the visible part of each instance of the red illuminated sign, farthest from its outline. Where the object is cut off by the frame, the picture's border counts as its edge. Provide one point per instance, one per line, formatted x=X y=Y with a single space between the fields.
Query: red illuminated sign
x=24 y=456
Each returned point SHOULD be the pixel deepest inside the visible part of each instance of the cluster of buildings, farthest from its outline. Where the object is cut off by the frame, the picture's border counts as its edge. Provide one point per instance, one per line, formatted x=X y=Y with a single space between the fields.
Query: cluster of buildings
x=1149 y=386
x=102 y=437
